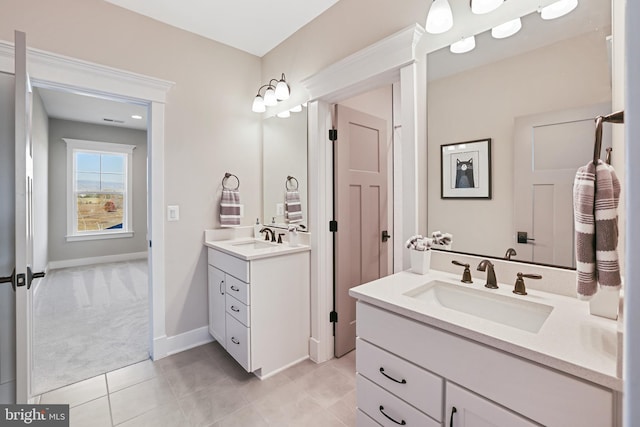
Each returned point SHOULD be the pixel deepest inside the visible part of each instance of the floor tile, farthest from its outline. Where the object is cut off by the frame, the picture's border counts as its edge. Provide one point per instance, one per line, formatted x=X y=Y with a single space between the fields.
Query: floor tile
x=345 y=409
x=182 y=359
x=298 y=370
x=243 y=417
x=91 y=414
x=209 y=406
x=165 y=416
x=327 y=385
x=78 y=393
x=199 y=375
x=256 y=388
x=140 y=398
x=131 y=375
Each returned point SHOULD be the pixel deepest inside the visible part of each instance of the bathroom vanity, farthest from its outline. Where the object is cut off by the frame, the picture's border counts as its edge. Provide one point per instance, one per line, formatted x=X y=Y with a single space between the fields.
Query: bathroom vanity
x=259 y=302
x=433 y=351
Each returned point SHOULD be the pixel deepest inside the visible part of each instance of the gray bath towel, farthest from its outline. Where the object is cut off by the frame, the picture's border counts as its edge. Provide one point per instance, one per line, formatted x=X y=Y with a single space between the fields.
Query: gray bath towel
x=293 y=208
x=606 y=216
x=229 y=208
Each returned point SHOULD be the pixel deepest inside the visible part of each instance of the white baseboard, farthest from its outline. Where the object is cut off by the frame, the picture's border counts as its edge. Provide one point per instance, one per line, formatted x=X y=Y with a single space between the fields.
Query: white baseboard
x=78 y=262
x=8 y=392
x=185 y=341
x=314 y=349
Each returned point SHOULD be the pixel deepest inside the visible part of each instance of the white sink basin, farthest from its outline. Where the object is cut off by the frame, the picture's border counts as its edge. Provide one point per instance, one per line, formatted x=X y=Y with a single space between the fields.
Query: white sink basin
x=513 y=312
x=254 y=244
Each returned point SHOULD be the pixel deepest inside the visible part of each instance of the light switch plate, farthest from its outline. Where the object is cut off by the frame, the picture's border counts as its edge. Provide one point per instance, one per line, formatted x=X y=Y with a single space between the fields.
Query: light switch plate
x=279 y=208
x=173 y=213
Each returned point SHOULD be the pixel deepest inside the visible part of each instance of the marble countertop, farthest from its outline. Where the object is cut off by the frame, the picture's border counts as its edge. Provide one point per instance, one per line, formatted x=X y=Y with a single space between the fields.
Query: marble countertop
x=244 y=249
x=570 y=340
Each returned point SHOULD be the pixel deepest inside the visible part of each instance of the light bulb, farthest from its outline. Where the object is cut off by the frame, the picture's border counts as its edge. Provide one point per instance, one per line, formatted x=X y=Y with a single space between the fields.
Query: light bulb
x=507 y=29
x=284 y=114
x=465 y=45
x=558 y=9
x=296 y=109
x=440 y=17
x=258 y=105
x=282 y=89
x=484 y=6
x=270 y=97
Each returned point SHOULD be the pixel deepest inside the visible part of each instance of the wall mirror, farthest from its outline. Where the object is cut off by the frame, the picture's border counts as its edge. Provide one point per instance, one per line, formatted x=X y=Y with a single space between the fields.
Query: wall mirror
x=284 y=165
x=548 y=69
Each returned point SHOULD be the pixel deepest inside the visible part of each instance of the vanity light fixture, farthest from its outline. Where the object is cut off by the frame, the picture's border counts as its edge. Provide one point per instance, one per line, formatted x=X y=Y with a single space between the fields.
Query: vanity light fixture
x=284 y=114
x=480 y=7
x=276 y=90
x=439 y=18
x=296 y=109
x=558 y=9
x=136 y=117
x=465 y=45
x=507 y=29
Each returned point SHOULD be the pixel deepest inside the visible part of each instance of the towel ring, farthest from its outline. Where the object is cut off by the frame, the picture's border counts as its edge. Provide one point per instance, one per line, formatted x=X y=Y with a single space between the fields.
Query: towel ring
x=228 y=175
x=289 y=179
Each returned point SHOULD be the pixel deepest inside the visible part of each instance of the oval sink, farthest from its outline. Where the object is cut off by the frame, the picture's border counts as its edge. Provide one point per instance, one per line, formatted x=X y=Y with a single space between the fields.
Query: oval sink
x=525 y=315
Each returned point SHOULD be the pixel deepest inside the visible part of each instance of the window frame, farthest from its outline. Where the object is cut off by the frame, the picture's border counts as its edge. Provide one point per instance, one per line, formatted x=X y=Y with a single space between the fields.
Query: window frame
x=76 y=145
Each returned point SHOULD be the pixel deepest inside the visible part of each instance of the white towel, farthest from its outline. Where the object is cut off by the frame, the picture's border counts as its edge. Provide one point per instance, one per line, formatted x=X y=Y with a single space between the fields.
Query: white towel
x=229 y=208
x=292 y=206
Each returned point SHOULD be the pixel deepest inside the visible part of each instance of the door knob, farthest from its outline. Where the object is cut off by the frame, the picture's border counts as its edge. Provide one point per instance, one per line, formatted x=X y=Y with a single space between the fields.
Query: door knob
x=10 y=279
x=31 y=275
x=385 y=235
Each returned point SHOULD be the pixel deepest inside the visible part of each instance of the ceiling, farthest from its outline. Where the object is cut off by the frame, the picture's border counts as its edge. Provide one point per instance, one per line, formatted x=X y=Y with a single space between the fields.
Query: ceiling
x=255 y=26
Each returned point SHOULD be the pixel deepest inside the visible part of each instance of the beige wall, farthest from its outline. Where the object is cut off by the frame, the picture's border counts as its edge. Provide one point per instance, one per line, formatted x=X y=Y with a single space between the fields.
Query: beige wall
x=209 y=126
x=482 y=103
x=59 y=248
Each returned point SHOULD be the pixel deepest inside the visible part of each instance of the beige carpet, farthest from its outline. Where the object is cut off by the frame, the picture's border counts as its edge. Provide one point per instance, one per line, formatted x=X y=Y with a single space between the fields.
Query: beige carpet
x=88 y=321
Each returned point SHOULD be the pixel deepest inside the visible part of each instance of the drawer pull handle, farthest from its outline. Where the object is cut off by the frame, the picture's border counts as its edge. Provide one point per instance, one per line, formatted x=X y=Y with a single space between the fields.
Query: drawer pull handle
x=233 y=288
x=221 y=285
x=401 y=422
x=403 y=381
x=453 y=411
x=234 y=308
x=235 y=341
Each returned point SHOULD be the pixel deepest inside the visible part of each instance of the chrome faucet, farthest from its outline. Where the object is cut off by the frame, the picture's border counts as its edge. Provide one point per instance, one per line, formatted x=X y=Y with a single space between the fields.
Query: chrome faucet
x=267 y=231
x=519 y=287
x=492 y=282
x=510 y=252
x=466 y=274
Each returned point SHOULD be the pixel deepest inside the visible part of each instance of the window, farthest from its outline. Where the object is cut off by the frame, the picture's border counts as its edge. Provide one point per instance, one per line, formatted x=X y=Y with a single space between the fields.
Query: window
x=99 y=195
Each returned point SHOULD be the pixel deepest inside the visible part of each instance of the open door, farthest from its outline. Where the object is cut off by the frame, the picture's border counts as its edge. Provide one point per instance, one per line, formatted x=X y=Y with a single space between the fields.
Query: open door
x=362 y=240
x=24 y=275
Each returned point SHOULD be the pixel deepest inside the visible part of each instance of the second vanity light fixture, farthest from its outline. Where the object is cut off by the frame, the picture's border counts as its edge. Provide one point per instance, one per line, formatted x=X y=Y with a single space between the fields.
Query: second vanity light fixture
x=276 y=90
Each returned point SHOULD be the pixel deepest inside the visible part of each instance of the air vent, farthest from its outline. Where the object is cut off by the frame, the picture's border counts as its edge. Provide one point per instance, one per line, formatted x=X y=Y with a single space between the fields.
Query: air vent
x=113 y=120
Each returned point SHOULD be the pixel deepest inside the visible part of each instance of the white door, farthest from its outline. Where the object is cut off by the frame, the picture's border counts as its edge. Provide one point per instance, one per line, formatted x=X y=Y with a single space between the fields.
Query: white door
x=549 y=149
x=23 y=220
x=361 y=211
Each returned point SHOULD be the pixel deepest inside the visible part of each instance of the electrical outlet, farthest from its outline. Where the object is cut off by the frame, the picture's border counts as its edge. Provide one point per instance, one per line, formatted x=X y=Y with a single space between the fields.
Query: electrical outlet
x=279 y=208
x=173 y=213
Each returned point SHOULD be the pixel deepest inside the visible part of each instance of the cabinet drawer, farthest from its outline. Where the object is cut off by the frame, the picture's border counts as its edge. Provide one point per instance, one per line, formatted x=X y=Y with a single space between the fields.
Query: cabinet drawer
x=411 y=383
x=364 y=420
x=238 y=342
x=229 y=264
x=238 y=310
x=238 y=289
x=387 y=409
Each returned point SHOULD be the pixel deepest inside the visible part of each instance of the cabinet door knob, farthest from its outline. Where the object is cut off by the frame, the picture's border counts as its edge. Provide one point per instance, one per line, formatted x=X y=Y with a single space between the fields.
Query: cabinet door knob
x=235 y=341
x=234 y=289
x=402 y=381
x=221 y=285
x=453 y=411
x=234 y=308
x=401 y=422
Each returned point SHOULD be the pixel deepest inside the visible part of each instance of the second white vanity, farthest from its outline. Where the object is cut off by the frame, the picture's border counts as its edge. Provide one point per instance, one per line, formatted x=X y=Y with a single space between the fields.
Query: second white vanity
x=259 y=302
x=433 y=351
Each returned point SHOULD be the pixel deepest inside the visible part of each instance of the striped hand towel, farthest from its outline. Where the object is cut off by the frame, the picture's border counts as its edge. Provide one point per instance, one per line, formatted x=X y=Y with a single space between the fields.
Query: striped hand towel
x=596 y=193
x=229 y=208
x=292 y=206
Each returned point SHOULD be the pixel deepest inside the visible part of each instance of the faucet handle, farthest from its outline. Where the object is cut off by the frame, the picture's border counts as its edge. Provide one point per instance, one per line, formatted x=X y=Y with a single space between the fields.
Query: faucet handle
x=466 y=274
x=519 y=287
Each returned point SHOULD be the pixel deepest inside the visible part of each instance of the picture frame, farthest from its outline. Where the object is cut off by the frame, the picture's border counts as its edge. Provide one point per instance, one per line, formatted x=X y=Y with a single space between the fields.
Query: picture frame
x=465 y=170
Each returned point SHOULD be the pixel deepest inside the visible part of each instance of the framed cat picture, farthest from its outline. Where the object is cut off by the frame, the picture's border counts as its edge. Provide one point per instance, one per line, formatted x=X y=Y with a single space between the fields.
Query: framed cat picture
x=465 y=169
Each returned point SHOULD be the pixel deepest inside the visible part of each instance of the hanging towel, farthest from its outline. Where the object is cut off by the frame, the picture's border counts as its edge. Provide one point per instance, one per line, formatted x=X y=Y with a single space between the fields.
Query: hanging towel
x=292 y=206
x=596 y=192
x=229 y=208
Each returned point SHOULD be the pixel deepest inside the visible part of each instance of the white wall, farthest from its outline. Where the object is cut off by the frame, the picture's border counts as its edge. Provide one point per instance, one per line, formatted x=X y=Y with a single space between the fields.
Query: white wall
x=209 y=126
x=59 y=248
x=483 y=103
x=40 y=141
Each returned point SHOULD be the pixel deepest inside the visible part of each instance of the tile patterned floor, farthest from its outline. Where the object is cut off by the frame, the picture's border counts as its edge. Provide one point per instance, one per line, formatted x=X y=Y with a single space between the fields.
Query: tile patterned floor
x=204 y=386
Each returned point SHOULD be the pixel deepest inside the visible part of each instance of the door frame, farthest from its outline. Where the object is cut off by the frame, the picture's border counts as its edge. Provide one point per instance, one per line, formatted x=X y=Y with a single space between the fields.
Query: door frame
x=397 y=58
x=61 y=72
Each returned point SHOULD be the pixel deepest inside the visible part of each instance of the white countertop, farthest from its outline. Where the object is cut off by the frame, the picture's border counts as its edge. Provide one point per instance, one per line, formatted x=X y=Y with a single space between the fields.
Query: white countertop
x=571 y=340
x=235 y=248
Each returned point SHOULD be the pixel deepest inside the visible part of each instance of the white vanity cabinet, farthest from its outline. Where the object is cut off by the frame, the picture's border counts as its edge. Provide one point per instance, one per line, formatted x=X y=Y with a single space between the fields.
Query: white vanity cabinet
x=259 y=309
x=408 y=370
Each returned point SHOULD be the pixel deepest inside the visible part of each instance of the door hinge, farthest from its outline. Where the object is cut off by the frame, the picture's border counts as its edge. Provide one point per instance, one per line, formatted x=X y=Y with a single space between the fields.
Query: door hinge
x=333 y=226
x=333 y=317
x=333 y=134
